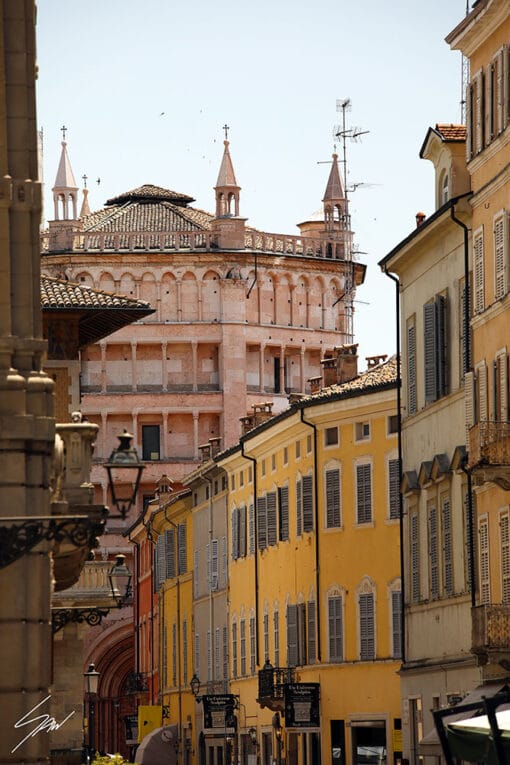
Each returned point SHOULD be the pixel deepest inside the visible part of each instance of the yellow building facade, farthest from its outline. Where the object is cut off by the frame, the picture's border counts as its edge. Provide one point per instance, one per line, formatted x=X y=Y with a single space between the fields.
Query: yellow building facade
x=484 y=39
x=314 y=578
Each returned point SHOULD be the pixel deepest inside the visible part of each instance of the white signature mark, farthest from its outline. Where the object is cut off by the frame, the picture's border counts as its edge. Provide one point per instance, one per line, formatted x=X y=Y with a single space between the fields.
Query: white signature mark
x=43 y=723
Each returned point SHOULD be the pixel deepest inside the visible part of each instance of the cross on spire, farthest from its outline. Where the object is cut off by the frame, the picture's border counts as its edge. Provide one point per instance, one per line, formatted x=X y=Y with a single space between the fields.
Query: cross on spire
x=226 y=128
x=85 y=178
x=64 y=130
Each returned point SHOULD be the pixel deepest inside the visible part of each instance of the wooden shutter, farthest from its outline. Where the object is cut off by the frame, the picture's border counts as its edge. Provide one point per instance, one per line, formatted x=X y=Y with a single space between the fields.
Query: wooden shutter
x=235 y=534
x=271 y=518
x=335 y=629
x=262 y=522
x=276 y=637
x=500 y=91
x=367 y=626
x=469 y=122
x=208 y=565
x=433 y=553
x=174 y=655
x=499 y=257
x=251 y=528
x=185 y=652
x=429 y=349
x=311 y=632
x=234 y=649
x=411 y=368
x=394 y=488
x=225 y=652
x=217 y=653
x=292 y=636
x=182 y=552
x=333 y=519
x=446 y=522
x=307 y=503
x=481 y=375
x=283 y=512
x=478 y=272
x=415 y=558
x=506 y=86
x=242 y=531
x=469 y=402
x=195 y=573
x=224 y=563
x=489 y=95
x=170 y=553
x=483 y=559
x=214 y=564
x=504 y=532
x=242 y=640
x=396 y=624
x=479 y=111
x=299 y=508
x=252 y=645
x=502 y=372
x=301 y=618
x=364 y=493
x=160 y=561
x=441 y=345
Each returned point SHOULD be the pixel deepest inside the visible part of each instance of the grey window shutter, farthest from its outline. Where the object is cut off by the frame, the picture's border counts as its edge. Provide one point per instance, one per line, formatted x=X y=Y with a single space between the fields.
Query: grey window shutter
x=429 y=347
x=394 y=488
x=442 y=345
x=335 y=628
x=333 y=519
x=235 y=534
x=311 y=633
x=447 y=546
x=214 y=564
x=364 y=493
x=195 y=574
x=242 y=531
x=411 y=368
x=262 y=522
x=283 y=494
x=433 y=553
x=271 y=518
x=292 y=637
x=396 y=624
x=367 y=627
x=224 y=563
x=183 y=559
x=307 y=503
x=160 y=562
x=170 y=553
x=251 y=528
x=415 y=558
x=299 y=508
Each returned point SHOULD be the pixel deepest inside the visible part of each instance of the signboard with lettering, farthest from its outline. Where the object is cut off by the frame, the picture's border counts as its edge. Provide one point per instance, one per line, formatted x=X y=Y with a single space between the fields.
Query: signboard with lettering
x=302 y=709
x=219 y=711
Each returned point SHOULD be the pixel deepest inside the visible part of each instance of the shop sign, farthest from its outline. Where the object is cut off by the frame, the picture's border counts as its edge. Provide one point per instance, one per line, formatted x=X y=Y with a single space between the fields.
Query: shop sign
x=302 y=708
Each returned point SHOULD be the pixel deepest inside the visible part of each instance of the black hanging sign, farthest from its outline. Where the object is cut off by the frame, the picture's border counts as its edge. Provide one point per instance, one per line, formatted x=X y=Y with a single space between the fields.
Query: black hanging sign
x=302 y=705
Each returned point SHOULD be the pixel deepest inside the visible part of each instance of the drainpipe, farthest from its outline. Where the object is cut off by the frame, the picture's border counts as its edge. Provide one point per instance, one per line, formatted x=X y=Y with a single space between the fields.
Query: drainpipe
x=400 y=464
x=467 y=368
x=316 y=521
x=256 y=572
x=211 y=602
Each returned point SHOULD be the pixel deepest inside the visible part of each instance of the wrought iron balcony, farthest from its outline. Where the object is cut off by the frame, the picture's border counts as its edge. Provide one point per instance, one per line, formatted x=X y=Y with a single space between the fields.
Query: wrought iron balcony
x=136 y=683
x=489 y=453
x=272 y=681
x=491 y=629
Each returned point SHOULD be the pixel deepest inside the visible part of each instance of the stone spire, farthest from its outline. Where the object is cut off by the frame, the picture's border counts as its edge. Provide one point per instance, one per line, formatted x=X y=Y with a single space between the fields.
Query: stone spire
x=227 y=190
x=228 y=228
x=65 y=190
x=85 y=209
x=334 y=198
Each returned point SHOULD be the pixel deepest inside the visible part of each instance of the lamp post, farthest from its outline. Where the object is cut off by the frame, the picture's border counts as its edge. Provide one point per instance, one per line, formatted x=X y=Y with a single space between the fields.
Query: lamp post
x=91 y=685
x=124 y=458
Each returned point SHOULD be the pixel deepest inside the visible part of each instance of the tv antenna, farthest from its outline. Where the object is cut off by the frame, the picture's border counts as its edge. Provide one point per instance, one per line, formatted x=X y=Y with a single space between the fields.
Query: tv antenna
x=464 y=80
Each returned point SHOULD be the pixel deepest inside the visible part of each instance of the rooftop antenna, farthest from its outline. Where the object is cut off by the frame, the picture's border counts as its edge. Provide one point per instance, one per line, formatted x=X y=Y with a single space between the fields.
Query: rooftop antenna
x=464 y=81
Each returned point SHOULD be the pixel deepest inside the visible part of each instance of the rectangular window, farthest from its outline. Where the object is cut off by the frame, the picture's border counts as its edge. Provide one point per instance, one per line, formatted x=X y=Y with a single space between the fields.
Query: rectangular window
x=196 y=657
x=209 y=656
x=501 y=412
x=396 y=624
x=262 y=522
x=234 y=649
x=412 y=401
x=214 y=564
x=394 y=489
x=185 y=652
x=292 y=636
x=276 y=637
x=251 y=528
x=483 y=561
x=241 y=478
x=272 y=529
x=195 y=574
x=252 y=645
x=225 y=652
x=266 y=635
x=182 y=553
x=307 y=503
x=366 y=627
x=362 y=431
x=504 y=535
x=435 y=349
x=500 y=257
x=364 y=493
x=311 y=632
x=170 y=554
x=299 y=508
x=174 y=655
x=331 y=436
x=150 y=442
x=283 y=513
x=242 y=638
x=335 y=629
x=273 y=462
x=415 y=558
x=392 y=424
x=433 y=552
x=478 y=272
x=447 y=548
x=263 y=467
x=217 y=654
x=298 y=449
x=333 y=494
x=224 y=563
x=285 y=455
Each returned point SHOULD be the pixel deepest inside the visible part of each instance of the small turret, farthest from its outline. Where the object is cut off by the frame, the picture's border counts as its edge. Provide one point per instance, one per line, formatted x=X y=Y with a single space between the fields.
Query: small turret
x=65 y=201
x=228 y=228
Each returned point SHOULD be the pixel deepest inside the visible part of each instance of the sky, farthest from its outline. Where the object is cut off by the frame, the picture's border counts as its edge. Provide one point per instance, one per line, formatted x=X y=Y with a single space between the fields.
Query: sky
x=144 y=89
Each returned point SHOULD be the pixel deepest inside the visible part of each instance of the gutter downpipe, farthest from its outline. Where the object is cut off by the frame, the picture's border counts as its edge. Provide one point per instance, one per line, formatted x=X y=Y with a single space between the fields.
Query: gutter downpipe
x=210 y=537
x=180 y=740
x=400 y=464
x=256 y=553
x=467 y=368
x=316 y=521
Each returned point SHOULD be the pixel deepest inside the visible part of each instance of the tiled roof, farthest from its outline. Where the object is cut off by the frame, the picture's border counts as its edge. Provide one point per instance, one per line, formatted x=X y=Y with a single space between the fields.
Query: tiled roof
x=59 y=294
x=382 y=375
x=150 y=193
x=450 y=132
x=147 y=216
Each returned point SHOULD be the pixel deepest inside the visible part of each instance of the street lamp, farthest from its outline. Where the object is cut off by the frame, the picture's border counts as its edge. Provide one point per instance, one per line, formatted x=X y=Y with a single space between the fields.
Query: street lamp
x=120 y=577
x=124 y=458
x=91 y=677
x=195 y=686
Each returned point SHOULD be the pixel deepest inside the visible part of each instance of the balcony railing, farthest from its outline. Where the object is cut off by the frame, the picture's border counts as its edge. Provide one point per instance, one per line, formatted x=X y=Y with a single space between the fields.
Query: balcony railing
x=491 y=628
x=489 y=452
x=93 y=587
x=272 y=681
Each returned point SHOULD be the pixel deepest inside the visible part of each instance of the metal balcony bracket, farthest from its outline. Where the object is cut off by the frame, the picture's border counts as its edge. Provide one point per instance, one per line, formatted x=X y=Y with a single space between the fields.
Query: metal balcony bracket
x=62 y=616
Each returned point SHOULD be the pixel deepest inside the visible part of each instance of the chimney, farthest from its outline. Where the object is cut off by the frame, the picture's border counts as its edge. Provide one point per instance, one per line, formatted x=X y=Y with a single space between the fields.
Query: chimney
x=374 y=361
x=328 y=364
x=346 y=363
x=420 y=217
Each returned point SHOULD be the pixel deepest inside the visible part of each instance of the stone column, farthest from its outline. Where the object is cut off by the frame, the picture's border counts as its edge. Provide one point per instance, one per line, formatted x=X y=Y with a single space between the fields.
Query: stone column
x=195 y=434
x=133 y=367
x=104 y=380
x=194 y=361
x=27 y=435
x=164 y=367
x=261 y=367
x=302 y=371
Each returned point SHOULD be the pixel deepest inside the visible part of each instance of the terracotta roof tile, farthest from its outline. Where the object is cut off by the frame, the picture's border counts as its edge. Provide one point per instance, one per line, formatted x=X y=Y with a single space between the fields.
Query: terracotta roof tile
x=450 y=132
x=58 y=294
x=383 y=374
x=147 y=216
x=149 y=192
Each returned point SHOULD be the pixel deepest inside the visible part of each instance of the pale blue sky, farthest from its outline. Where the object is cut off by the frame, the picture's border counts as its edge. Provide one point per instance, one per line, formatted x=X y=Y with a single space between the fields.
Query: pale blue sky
x=273 y=70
